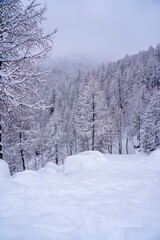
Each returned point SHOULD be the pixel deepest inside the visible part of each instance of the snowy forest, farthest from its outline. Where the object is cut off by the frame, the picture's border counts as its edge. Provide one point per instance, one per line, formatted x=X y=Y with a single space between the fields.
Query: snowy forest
x=79 y=137
x=53 y=110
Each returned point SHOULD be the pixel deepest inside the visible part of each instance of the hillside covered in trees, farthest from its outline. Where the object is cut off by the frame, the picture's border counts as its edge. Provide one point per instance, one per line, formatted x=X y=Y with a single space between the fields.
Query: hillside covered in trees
x=112 y=108
x=100 y=108
x=79 y=139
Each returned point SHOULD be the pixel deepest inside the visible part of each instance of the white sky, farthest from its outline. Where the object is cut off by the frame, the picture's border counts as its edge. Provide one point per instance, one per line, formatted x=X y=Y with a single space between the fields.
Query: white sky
x=103 y=29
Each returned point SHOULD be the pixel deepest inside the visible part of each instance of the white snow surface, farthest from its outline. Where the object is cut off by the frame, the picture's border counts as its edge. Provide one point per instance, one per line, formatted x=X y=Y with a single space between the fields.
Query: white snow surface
x=4 y=170
x=92 y=197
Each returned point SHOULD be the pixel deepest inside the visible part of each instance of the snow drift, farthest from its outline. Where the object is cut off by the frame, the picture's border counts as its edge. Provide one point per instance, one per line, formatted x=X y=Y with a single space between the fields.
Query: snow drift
x=93 y=197
x=4 y=170
x=84 y=160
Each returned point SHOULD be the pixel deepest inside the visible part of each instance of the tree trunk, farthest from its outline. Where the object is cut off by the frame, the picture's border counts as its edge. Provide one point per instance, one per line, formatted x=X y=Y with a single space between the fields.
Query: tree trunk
x=139 y=132
x=36 y=163
x=56 y=154
x=127 y=146
x=42 y=146
x=67 y=146
x=121 y=113
x=110 y=148
x=75 y=142
x=120 y=137
x=22 y=152
x=87 y=144
x=93 y=123
x=71 y=152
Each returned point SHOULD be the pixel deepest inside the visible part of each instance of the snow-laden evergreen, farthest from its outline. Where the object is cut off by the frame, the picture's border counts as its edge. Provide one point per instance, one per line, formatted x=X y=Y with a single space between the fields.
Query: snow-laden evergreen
x=112 y=108
x=107 y=109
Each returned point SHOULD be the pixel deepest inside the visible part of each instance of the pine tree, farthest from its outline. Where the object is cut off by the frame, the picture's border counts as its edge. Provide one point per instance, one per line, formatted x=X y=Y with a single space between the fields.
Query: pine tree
x=150 y=130
x=90 y=115
x=54 y=137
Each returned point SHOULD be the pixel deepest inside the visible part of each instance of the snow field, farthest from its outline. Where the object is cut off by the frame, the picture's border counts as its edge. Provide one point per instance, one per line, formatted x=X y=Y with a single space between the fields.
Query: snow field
x=4 y=170
x=91 y=197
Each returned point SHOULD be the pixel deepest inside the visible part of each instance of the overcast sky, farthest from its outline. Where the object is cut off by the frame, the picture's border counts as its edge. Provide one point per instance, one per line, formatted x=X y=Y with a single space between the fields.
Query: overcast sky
x=103 y=29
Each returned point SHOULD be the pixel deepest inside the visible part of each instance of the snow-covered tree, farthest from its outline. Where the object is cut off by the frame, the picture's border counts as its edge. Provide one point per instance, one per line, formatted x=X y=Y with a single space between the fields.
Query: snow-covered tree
x=23 y=44
x=90 y=115
x=54 y=136
x=150 y=130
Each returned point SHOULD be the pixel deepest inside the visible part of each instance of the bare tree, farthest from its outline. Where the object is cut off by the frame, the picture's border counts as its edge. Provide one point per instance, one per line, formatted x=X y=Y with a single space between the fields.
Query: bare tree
x=23 y=44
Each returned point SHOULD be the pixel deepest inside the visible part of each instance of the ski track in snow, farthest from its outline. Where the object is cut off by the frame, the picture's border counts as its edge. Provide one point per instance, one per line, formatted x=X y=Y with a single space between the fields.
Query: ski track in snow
x=112 y=198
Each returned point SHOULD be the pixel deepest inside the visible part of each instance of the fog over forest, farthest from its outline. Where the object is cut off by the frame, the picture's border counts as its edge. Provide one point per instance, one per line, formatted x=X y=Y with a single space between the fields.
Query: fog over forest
x=103 y=30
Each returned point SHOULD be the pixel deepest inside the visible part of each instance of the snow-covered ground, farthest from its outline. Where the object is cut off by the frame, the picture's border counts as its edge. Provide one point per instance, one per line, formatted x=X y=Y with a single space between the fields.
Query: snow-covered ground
x=91 y=197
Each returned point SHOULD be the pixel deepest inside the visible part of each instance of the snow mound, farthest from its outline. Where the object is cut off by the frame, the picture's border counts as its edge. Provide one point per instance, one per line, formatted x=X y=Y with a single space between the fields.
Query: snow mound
x=156 y=155
x=154 y=160
x=119 y=201
x=84 y=160
x=30 y=178
x=4 y=170
x=50 y=168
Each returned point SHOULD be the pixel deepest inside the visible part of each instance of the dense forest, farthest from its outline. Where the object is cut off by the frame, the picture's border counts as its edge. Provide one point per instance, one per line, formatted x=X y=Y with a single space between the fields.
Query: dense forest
x=112 y=108
x=50 y=111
